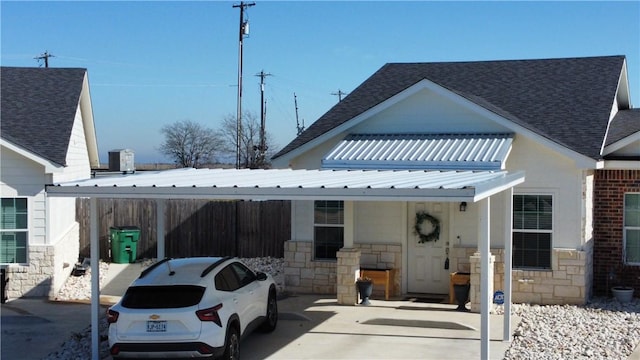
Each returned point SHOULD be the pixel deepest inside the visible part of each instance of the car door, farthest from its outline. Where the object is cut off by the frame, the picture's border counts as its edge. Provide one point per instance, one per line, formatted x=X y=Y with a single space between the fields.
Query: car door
x=250 y=289
x=240 y=294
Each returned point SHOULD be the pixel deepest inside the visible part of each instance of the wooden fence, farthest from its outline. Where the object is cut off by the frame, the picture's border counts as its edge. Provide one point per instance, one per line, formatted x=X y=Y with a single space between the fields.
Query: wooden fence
x=192 y=227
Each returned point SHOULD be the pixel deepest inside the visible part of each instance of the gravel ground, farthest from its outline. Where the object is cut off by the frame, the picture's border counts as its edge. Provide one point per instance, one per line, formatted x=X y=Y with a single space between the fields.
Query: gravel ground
x=602 y=329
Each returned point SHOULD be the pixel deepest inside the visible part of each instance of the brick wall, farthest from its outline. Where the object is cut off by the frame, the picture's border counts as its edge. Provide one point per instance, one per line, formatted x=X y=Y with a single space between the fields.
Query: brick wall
x=609 y=189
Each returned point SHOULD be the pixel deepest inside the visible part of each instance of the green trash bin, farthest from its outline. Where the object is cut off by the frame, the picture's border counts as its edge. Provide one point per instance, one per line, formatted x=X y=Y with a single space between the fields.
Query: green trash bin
x=124 y=243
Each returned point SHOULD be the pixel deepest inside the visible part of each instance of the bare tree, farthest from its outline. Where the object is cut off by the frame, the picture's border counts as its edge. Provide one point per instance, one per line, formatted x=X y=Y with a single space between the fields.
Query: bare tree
x=190 y=144
x=250 y=154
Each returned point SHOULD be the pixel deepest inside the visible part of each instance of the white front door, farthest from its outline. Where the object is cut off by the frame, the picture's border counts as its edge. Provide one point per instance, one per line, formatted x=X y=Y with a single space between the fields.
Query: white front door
x=426 y=261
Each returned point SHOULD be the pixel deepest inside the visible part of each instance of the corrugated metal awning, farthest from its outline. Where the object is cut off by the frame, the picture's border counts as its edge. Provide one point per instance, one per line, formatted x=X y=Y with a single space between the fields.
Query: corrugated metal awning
x=287 y=184
x=420 y=151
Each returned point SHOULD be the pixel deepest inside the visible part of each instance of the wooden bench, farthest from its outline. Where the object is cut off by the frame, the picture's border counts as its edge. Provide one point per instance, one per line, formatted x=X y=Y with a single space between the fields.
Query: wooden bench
x=384 y=277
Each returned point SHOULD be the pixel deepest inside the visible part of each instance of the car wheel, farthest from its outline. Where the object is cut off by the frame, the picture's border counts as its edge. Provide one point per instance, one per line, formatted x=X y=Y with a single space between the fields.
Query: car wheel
x=232 y=344
x=271 y=321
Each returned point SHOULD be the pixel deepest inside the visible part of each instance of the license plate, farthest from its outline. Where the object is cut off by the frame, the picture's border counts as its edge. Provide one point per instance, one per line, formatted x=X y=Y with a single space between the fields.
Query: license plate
x=156 y=326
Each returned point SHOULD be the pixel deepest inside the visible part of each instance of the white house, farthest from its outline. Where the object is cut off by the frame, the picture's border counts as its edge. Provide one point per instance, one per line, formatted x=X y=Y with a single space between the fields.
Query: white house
x=47 y=135
x=442 y=148
x=560 y=121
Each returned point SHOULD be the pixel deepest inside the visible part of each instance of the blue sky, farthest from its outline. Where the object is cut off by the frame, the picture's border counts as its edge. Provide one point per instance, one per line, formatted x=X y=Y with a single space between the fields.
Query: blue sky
x=153 y=63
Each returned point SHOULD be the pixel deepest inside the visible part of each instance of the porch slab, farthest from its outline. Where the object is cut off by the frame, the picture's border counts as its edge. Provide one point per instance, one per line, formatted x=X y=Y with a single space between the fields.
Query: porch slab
x=316 y=327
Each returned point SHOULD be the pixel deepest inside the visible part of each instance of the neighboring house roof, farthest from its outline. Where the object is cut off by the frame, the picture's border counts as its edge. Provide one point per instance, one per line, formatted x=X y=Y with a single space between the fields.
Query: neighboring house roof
x=625 y=123
x=568 y=101
x=420 y=152
x=38 y=108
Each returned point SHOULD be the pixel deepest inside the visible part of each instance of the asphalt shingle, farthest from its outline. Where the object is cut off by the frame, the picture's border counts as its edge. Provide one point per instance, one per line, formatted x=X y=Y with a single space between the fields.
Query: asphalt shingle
x=565 y=100
x=38 y=107
x=625 y=123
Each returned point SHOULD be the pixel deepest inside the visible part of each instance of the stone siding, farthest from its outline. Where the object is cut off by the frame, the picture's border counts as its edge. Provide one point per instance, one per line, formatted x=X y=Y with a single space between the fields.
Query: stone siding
x=307 y=276
x=304 y=275
x=48 y=268
x=33 y=280
x=567 y=282
x=382 y=256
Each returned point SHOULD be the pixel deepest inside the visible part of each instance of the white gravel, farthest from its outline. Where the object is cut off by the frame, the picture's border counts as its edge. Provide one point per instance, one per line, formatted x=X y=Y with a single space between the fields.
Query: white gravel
x=602 y=329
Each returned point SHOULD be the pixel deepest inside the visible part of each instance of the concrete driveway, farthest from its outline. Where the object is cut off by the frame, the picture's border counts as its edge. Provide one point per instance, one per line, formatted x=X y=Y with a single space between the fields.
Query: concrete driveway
x=315 y=327
x=310 y=327
x=32 y=328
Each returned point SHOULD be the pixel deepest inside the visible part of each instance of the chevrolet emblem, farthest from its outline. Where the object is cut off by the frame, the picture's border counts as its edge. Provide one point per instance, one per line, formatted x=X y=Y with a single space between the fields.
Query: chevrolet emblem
x=154 y=317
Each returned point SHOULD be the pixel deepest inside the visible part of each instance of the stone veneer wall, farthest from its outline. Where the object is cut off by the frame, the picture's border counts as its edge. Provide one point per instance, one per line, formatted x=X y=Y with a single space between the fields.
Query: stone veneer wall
x=33 y=280
x=609 y=189
x=304 y=275
x=48 y=269
x=382 y=256
x=568 y=281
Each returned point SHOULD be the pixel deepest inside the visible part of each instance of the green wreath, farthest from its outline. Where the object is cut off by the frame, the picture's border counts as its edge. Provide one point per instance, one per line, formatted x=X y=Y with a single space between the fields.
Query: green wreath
x=434 y=235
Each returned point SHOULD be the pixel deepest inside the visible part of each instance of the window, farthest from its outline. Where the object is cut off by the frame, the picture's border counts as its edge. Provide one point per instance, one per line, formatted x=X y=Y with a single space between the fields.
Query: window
x=328 y=219
x=532 y=231
x=227 y=280
x=632 y=228
x=13 y=230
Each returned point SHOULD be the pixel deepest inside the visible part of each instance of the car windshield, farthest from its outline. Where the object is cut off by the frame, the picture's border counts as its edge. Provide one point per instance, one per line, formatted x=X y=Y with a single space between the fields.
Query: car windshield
x=160 y=297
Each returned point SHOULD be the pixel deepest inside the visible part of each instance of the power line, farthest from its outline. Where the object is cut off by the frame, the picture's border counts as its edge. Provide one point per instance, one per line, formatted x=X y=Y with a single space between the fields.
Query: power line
x=44 y=56
x=339 y=93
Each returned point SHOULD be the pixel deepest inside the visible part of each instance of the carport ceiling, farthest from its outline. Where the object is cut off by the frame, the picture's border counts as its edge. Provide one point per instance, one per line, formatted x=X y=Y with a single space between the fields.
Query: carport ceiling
x=287 y=184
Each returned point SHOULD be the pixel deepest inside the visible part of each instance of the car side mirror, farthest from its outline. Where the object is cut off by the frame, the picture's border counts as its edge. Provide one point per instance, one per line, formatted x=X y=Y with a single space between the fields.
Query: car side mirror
x=260 y=276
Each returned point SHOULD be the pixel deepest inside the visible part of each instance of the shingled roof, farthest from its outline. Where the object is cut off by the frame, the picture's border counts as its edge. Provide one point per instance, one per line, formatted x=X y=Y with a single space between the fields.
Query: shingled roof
x=625 y=123
x=565 y=100
x=38 y=107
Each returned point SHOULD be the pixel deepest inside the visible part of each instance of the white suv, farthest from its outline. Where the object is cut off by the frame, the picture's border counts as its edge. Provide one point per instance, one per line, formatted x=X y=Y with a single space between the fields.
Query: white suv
x=191 y=307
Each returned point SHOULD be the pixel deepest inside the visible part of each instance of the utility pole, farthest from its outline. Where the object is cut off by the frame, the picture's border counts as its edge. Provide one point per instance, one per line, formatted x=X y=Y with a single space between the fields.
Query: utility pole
x=263 y=114
x=300 y=128
x=339 y=93
x=244 y=31
x=45 y=56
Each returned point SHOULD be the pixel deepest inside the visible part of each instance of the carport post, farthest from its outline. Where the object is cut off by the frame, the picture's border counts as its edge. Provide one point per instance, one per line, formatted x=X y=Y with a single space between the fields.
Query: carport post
x=508 y=263
x=485 y=253
x=95 y=278
x=160 y=228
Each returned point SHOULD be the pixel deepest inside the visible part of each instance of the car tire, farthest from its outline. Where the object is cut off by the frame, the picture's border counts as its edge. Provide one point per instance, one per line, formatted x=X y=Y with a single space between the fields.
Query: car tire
x=271 y=320
x=232 y=344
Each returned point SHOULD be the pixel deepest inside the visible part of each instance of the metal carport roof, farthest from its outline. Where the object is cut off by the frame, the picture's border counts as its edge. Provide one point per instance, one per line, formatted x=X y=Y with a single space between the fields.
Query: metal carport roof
x=287 y=184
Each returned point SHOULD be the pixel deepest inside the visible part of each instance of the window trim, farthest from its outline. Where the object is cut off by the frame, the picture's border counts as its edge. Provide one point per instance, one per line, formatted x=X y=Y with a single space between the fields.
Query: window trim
x=26 y=230
x=554 y=198
x=625 y=228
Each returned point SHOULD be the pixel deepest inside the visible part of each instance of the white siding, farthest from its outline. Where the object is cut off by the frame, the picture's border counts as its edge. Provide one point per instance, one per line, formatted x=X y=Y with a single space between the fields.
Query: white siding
x=302 y=220
x=77 y=166
x=21 y=177
x=63 y=211
x=551 y=173
x=546 y=172
x=427 y=112
x=380 y=222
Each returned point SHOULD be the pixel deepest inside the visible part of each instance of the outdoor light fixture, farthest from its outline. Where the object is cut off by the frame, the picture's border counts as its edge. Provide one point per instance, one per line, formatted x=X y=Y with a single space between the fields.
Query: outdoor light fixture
x=463 y=206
